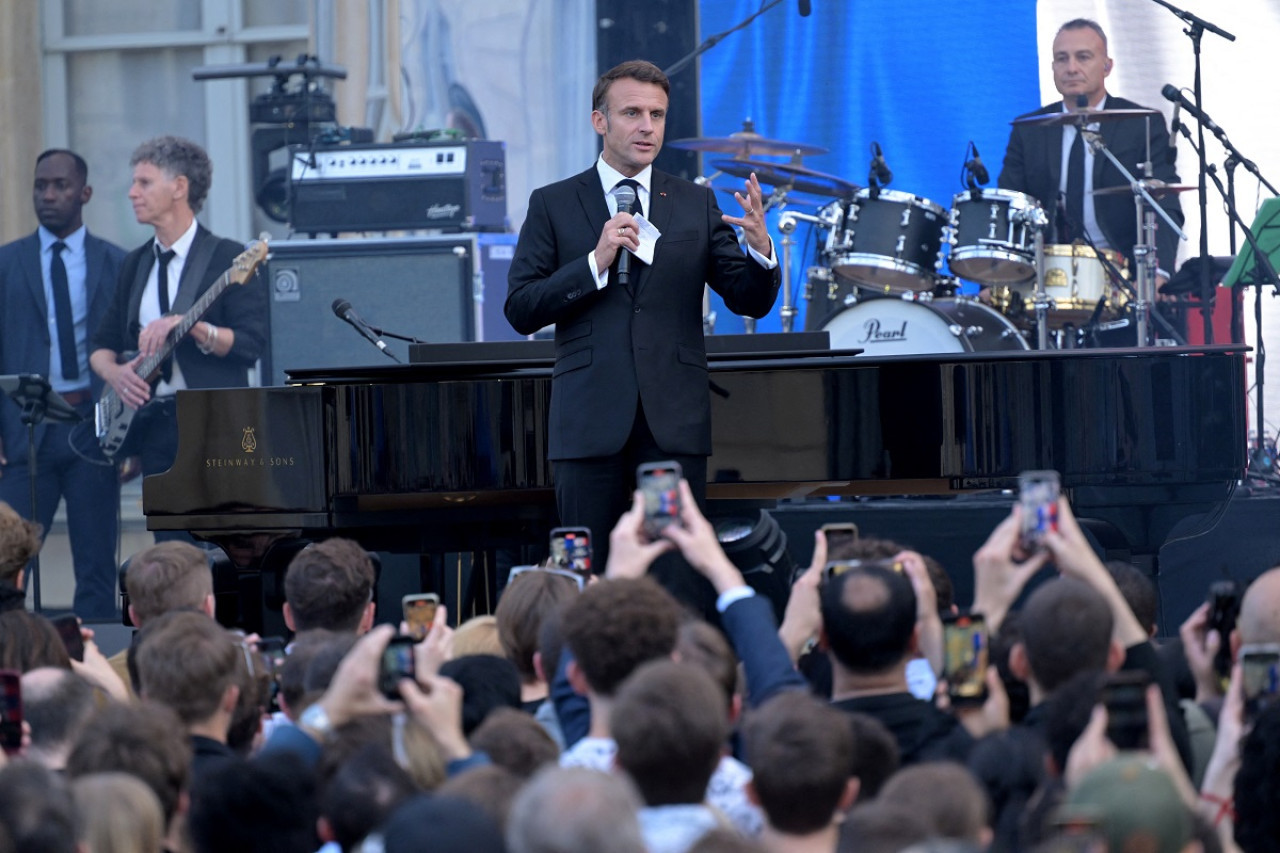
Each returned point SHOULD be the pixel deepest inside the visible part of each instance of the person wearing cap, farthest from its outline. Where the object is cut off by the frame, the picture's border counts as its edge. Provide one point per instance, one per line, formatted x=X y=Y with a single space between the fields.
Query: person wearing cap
x=1133 y=803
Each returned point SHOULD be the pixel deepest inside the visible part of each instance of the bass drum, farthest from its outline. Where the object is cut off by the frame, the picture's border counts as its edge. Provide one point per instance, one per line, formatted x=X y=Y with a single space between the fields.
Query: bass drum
x=909 y=327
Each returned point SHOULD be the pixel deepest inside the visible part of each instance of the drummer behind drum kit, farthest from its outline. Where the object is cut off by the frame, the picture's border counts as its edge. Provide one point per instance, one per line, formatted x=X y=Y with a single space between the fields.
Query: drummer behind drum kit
x=879 y=285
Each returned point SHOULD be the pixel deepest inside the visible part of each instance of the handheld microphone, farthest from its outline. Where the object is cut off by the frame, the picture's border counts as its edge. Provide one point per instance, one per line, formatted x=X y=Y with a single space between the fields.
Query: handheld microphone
x=879 y=168
x=342 y=308
x=1173 y=93
x=626 y=197
x=805 y=8
x=976 y=168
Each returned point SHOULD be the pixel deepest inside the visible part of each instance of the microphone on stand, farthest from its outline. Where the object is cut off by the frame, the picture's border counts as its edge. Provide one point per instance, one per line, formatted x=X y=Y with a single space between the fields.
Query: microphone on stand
x=977 y=171
x=1173 y=93
x=879 y=174
x=626 y=197
x=342 y=308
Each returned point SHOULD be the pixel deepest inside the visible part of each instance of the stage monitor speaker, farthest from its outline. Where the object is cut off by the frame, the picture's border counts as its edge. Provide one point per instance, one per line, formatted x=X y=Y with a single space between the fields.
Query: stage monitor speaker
x=423 y=287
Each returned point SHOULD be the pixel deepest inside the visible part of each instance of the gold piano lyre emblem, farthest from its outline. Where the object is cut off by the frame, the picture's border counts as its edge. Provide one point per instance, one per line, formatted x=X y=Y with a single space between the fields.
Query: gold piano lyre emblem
x=248 y=442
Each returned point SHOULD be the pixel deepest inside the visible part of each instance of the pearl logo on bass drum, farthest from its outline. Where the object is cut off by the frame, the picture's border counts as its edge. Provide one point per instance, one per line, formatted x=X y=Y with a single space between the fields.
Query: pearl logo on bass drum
x=892 y=326
x=875 y=334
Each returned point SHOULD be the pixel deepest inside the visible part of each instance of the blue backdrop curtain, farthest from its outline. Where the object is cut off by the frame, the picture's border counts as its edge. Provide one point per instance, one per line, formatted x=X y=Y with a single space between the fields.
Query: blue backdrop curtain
x=921 y=78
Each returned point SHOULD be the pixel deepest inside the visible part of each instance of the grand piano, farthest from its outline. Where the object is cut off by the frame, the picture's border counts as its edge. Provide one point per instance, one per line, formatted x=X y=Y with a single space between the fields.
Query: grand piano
x=448 y=455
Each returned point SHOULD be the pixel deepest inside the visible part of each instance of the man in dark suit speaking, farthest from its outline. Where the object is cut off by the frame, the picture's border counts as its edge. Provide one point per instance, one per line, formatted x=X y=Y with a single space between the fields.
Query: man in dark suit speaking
x=630 y=381
x=1049 y=163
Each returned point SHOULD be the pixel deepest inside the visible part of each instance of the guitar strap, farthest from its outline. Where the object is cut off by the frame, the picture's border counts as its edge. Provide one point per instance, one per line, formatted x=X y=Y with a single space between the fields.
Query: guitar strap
x=193 y=272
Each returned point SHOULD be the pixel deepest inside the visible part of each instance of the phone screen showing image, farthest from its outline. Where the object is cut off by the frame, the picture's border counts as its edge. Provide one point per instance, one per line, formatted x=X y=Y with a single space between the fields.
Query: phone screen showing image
x=660 y=484
x=965 y=659
x=419 y=613
x=571 y=549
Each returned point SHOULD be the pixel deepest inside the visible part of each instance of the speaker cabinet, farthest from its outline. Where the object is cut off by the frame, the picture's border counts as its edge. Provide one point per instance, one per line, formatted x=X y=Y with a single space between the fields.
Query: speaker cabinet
x=431 y=288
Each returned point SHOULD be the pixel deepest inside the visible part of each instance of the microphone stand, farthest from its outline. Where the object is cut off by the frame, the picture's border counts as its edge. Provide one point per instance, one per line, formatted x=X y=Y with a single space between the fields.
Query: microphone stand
x=1196 y=27
x=713 y=40
x=38 y=401
x=1263 y=274
x=383 y=333
x=1234 y=159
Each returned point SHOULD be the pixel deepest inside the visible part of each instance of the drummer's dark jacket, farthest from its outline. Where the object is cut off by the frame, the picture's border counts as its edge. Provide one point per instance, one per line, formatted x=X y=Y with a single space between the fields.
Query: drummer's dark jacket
x=1033 y=165
x=627 y=345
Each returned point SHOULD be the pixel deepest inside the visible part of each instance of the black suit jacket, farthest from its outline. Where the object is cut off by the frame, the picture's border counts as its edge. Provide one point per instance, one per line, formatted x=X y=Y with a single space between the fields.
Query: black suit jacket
x=25 y=344
x=1033 y=165
x=619 y=347
x=242 y=308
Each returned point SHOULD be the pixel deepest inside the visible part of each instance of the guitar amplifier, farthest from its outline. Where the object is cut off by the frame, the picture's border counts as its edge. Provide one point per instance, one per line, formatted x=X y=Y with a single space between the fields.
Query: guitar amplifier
x=452 y=185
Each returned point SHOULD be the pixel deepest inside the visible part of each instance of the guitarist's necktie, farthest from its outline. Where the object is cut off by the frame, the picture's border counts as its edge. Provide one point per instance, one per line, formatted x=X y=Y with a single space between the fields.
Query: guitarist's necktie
x=62 y=313
x=162 y=285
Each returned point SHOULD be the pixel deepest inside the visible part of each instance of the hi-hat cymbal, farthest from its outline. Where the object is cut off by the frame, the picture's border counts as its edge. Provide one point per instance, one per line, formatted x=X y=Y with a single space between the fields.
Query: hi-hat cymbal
x=745 y=144
x=798 y=178
x=1156 y=187
x=1085 y=116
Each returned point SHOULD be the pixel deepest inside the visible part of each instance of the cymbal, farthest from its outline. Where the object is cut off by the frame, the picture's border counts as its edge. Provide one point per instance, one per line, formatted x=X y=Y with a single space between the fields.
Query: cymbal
x=747 y=143
x=1085 y=116
x=798 y=178
x=1157 y=188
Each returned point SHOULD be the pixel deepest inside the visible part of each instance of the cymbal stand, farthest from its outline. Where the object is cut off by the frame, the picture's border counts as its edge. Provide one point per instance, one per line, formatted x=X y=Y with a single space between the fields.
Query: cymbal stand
x=1144 y=253
x=777 y=198
x=1039 y=222
x=787 y=226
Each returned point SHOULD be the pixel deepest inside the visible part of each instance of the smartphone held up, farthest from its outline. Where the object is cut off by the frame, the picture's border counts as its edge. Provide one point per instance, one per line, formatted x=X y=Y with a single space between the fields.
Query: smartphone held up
x=1038 y=493
x=659 y=483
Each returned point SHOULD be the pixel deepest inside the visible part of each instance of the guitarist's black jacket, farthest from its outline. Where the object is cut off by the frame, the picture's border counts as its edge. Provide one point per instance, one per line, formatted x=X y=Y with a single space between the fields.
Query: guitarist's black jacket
x=242 y=308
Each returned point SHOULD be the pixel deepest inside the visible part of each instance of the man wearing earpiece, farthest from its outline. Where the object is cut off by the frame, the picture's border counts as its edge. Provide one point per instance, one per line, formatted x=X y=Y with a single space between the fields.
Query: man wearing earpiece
x=1052 y=163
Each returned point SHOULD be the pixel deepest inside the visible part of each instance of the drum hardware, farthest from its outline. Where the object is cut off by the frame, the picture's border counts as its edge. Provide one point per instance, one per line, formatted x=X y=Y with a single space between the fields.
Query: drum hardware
x=787 y=225
x=1144 y=253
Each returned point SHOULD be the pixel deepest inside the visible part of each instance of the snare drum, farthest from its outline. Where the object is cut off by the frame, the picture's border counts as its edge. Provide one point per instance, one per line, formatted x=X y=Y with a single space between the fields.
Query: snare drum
x=887 y=241
x=992 y=238
x=1075 y=280
x=907 y=327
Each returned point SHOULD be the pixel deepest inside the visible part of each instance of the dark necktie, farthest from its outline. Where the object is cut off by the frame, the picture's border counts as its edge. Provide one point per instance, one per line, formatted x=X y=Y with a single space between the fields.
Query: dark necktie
x=637 y=209
x=162 y=285
x=1075 y=188
x=62 y=311
x=162 y=278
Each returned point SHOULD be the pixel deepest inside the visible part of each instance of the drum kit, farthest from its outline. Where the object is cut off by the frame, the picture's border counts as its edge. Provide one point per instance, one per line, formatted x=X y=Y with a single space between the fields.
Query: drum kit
x=889 y=264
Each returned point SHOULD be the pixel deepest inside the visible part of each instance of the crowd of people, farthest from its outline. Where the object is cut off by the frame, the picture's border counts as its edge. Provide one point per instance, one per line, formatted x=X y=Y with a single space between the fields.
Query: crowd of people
x=607 y=715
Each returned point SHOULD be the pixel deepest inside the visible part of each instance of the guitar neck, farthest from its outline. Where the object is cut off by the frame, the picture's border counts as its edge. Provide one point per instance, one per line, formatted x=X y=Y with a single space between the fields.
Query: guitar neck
x=149 y=366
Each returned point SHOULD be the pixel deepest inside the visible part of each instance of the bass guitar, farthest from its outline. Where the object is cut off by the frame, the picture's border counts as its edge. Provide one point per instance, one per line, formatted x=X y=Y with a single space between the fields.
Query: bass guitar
x=112 y=417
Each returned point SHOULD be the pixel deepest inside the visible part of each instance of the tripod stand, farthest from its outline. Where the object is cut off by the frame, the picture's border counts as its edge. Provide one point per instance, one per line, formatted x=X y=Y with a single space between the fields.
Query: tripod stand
x=37 y=400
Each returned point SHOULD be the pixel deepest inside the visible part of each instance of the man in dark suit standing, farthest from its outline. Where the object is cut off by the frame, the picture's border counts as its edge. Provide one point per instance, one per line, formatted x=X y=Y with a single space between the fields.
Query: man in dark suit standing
x=159 y=282
x=630 y=380
x=55 y=285
x=1042 y=161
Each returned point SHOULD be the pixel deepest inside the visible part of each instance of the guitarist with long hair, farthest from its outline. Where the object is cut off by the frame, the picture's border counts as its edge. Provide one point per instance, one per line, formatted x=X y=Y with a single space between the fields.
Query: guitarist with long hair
x=171 y=179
